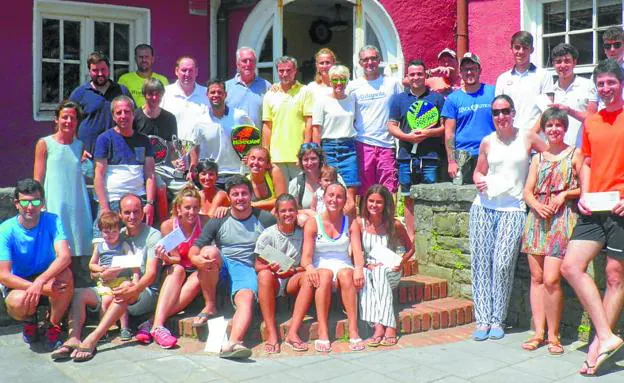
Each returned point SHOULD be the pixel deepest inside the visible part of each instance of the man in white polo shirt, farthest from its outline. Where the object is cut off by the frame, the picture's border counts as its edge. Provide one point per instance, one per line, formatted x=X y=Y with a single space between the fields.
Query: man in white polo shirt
x=185 y=98
x=574 y=94
x=213 y=130
x=524 y=83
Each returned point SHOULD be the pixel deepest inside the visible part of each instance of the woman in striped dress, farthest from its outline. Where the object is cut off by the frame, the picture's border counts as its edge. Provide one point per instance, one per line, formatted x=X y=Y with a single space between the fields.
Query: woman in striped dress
x=378 y=227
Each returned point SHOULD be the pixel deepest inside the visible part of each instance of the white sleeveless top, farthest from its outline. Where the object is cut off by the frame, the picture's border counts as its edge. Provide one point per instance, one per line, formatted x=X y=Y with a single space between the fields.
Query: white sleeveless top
x=369 y=241
x=327 y=248
x=508 y=166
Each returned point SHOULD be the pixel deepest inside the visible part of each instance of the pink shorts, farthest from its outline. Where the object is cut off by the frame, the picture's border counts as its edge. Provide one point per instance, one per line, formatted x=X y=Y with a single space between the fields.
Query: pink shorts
x=377 y=166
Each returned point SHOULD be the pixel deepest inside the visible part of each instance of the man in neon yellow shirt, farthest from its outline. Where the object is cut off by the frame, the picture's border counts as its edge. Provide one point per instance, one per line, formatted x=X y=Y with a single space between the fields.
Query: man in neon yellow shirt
x=144 y=58
x=287 y=118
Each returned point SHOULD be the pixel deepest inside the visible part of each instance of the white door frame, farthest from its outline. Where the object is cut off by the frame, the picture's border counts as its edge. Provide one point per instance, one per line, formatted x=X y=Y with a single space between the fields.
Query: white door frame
x=269 y=14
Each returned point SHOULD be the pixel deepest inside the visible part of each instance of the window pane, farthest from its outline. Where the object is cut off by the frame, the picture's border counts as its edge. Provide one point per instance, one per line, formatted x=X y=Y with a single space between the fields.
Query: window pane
x=266 y=73
x=71 y=78
x=121 y=43
x=554 y=17
x=50 y=82
x=584 y=43
x=371 y=37
x=580 y=14
x=549 y=44
x=266 y=54
x=102 y=37
x=71 y=43
x=609 y=12
x=50 y=38
x=119 y=70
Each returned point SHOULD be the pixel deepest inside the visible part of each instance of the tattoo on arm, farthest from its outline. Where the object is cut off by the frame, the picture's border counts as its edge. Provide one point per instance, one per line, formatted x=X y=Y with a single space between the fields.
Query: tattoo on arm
x=450 y=148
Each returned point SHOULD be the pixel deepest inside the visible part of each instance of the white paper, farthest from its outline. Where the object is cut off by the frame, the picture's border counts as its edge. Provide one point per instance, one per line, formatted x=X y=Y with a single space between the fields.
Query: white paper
x=130 y=261
x=172 y=240
x=217 y=334
x=603 y=201
x=272 y=255
x=542 y=102
x=385 y=256
x=497 y=185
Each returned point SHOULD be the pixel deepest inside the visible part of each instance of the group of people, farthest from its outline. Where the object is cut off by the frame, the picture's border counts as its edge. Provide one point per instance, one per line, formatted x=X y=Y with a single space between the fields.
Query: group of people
x=332 y=154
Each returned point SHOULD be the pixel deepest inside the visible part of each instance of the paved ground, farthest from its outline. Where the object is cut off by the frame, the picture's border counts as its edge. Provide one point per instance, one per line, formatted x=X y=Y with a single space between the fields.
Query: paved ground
x=422 y=357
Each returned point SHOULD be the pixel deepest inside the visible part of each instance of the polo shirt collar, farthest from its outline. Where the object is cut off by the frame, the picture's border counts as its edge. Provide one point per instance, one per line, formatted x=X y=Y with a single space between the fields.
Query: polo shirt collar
x=572 y=85
x=532 y=69
x=181 y=93
x=225 y=113
x=239 y=80
x=427 y=91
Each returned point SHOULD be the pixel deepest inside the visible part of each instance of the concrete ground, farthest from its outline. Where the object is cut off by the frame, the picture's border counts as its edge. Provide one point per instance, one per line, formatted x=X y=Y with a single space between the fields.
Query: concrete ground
x=437 y=356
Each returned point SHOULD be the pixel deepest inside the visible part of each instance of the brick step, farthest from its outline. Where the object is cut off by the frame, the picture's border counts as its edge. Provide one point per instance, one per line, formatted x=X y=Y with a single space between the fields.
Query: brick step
x=410 y=268
x=419 y=288
x=437 y=314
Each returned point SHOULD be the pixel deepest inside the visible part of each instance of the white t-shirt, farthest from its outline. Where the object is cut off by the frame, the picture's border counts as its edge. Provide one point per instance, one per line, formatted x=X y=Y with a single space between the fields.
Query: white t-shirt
x=577 y=96
x=335 y=117
x=372 y=105
x=319 y=91
x=185 y=108
x=214 y=137
x=523 y=88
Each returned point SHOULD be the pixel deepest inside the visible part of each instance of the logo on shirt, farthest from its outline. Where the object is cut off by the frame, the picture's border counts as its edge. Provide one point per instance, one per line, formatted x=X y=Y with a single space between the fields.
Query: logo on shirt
x=473 y=108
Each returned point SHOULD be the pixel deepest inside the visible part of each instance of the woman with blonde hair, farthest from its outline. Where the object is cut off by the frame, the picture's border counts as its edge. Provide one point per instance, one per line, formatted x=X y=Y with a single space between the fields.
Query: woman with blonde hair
x=324 y=59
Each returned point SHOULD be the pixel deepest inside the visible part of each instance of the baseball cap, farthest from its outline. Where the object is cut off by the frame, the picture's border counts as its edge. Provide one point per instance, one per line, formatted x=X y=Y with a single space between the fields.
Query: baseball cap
x=447 y=51
x=472 y=57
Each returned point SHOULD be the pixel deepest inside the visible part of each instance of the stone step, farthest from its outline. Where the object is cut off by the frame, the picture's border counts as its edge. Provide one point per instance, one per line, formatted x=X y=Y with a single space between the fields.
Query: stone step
x=418 y=288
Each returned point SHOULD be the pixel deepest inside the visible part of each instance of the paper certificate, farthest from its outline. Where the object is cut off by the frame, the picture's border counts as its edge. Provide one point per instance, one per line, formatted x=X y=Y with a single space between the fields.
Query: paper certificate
x=217 y=334
x=172 y=240
x=385 y=256
x=272 y=255
x=602 y=201
x=130 y=261
x=497 y=185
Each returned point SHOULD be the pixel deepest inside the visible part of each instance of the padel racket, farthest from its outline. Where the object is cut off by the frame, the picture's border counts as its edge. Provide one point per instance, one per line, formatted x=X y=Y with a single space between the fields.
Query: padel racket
x=422 y=114
x=161 y=150
x=244 y=137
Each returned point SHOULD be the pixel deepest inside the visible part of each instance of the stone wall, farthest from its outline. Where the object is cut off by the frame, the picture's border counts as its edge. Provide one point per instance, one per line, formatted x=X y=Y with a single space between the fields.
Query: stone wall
x=442 y=250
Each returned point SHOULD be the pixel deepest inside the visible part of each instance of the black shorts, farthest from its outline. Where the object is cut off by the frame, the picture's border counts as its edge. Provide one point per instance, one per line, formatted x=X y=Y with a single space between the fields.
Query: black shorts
x=606 y=228
x=43 y=300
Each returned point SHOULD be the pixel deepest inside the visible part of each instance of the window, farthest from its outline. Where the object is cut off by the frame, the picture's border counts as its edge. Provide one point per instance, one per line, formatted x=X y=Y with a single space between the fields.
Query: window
x=577 y=22
x=64 y=35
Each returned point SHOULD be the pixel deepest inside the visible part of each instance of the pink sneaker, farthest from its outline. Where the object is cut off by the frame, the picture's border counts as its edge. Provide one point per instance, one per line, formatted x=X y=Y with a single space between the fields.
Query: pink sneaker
x=163 y=337
x=143 y=334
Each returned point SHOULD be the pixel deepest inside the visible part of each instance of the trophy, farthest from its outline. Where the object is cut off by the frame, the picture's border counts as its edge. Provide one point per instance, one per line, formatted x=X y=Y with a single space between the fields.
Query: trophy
x=182 y=149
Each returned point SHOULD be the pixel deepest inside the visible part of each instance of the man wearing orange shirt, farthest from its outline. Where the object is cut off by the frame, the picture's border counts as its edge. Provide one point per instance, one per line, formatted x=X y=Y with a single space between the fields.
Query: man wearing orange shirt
x=602 y=170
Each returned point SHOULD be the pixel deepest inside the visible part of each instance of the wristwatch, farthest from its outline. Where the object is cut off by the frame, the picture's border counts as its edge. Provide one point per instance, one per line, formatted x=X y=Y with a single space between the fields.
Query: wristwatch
x=150 y=202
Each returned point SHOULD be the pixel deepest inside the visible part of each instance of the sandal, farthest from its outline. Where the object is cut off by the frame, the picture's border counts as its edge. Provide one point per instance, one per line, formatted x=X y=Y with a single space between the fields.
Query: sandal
x=201 y=319
x=356 y=344
x=389 y=341
x=607 y=355
x=322 y=345
x=235 y=351
x=555 y=348
x=586 y=367
x=63 y=352
x=272 y=348
x=533 y=344
x=296 y=346
x=90 y=353
x=375 y=341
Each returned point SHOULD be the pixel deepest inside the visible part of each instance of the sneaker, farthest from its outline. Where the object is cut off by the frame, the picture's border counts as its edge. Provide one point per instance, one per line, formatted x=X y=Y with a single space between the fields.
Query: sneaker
x=497 y=332
x=30 y=333
x=163 y=337
x=125 y=334
x=143 y=334
x=53 y=337
x=481 y=333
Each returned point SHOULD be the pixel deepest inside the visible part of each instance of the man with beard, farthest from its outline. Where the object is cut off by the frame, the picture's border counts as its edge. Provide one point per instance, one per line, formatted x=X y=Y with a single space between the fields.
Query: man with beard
x=95 y=98
x=144 y=58
x=213 y=130
x=246 y=90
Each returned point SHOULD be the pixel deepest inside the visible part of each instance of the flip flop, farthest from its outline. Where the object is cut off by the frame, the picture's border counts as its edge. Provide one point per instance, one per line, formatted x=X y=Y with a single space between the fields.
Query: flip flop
x=374 y=341
x=555 y=348
x=607 y=355
x=356 y=344
x=587 y=368
x=201 y=319
x=272 y=348
x=533 y=344
x=89 y=351
x=297 y=346
x=63 y=352
x=236 y=351
x=389 y=341
x=322 y=345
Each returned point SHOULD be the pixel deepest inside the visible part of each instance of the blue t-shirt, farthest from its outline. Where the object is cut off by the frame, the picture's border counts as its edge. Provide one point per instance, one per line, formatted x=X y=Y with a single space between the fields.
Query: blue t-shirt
x=247 y=98
x=96 y=108
x=472 y=113
x=400 y=105
x=30 y=251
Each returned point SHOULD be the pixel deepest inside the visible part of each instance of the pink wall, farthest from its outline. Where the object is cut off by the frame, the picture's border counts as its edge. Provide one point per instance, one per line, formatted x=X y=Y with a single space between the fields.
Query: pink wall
x=236 y=19
x=173 y=32
x=491 y=44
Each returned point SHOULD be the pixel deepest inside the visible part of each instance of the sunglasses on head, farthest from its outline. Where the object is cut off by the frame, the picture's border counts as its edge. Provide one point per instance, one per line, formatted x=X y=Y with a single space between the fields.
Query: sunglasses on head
x=309 y=145
x=616 y=45
x=26 y=202
x=503 y=111
x=339 y=81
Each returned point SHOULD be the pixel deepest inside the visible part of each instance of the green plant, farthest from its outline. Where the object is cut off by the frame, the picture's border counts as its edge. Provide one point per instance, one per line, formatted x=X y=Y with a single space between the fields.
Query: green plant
x=583 y=329
x=400 y=207
x=435 y=241
x=458 y=265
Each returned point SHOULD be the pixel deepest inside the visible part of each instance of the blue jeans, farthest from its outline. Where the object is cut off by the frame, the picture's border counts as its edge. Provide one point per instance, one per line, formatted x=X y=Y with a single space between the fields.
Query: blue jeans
x=340 y=153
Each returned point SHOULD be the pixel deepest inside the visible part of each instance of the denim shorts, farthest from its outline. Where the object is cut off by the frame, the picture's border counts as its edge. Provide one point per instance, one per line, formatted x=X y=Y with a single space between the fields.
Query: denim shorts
x=417 y=170
x=341 y=154
x=237 y=276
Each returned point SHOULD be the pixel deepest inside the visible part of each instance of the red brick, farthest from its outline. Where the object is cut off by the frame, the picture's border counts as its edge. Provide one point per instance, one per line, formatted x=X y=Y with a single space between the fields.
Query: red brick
x=402 y=294
x=341 y=328
x=461 y=316
x=444 y=319
x=435 y=320
x=427 y=293
x=453 y=317
x=405 y=322
x=420 y=291
x=411 y=293
x=435 y=291
x=416 y=322
x=443 y=289
x=415 y=268
x=426 y=321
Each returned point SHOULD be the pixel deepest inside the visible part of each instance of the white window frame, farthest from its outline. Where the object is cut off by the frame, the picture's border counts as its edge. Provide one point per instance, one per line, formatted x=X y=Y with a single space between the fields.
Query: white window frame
x=87 y=14
x=531 y=19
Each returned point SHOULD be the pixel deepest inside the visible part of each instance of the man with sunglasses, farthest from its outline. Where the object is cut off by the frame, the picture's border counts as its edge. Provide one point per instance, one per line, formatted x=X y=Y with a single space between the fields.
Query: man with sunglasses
x=35 y=261
x=613 y=45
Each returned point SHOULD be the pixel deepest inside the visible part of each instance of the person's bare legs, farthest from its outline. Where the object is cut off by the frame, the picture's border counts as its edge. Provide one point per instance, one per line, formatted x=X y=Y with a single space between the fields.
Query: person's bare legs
x=208 y=280
x=409 y=216
x=305 y=293
x=322 y=298
x=348 y=293
x=266 y=298
x=83 y=298
x=189 y=291
x=537 y=293
x=169 y=294
x=243 y=299
x=112 y=315
x=553 y=297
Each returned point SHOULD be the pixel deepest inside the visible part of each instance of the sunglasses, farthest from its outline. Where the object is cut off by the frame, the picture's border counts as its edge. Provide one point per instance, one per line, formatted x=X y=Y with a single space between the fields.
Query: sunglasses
x=504 y=112
x=309 y=145
x=616 y=45
x=33 y=202
x=339 y=81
